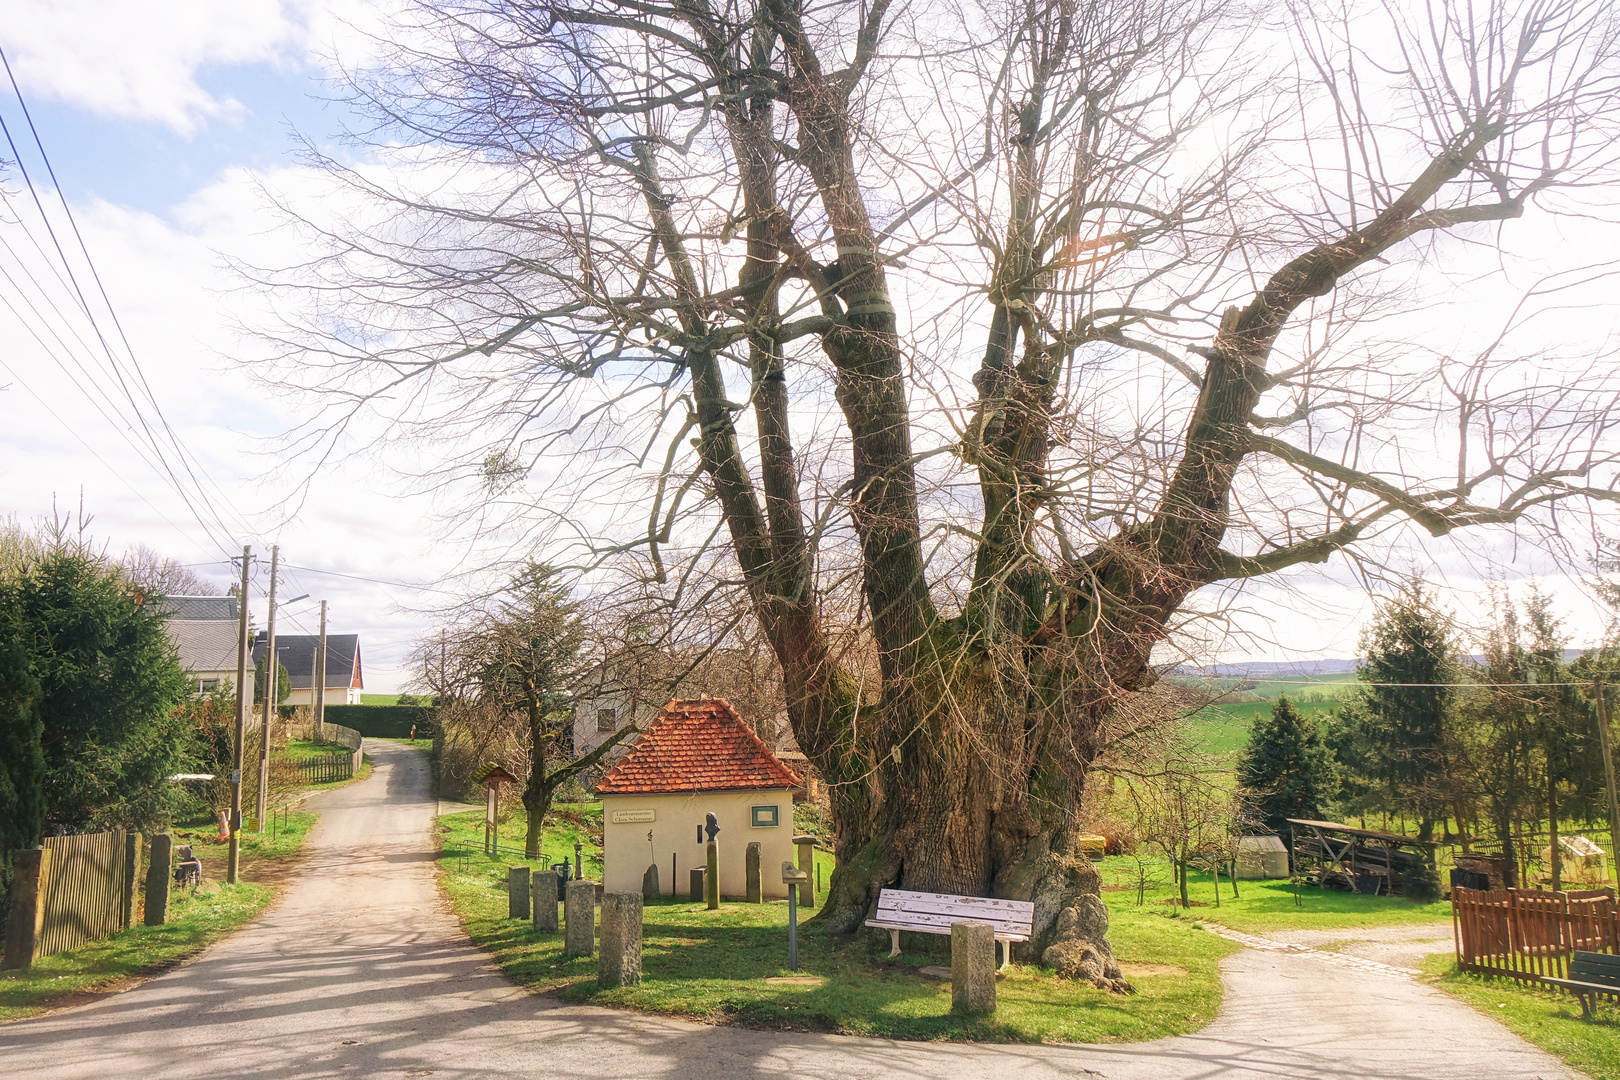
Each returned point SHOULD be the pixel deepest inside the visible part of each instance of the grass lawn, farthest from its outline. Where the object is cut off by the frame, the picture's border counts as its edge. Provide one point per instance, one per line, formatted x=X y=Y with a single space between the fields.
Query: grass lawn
x=195 y=922
x=1550 y=1019
x=1263 y=906
x=714 y=966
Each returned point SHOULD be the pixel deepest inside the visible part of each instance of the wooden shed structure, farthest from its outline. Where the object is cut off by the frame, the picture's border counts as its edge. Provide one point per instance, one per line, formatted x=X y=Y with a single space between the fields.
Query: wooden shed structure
x=1338 y=856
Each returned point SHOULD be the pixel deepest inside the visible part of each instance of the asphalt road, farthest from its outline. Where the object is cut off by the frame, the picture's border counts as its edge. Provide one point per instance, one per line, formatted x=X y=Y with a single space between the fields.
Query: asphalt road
x=362 y=972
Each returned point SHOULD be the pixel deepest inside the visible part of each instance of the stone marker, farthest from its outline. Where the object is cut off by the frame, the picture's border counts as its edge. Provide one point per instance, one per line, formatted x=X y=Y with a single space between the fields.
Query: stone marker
x=973 y=967
x=650 y=890
x=579 y=919
x=159 y=876
x=543 y=898
x=696 y=890
x=25 y=923
x=517 y=892
x=620 y=961
x=132 y=877
x=711 y=879
x=751 y=869
x=807 y=863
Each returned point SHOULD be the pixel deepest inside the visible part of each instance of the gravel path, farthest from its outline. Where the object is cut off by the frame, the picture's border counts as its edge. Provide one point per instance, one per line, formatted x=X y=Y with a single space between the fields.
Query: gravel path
x=361 y=971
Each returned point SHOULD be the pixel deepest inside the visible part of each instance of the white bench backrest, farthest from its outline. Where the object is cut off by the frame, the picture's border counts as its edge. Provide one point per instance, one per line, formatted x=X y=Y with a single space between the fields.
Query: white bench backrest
x=942 y=909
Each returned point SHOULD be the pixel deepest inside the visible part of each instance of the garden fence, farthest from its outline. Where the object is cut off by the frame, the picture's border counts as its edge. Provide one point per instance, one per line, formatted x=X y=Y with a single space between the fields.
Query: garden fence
x=1529 y=934
x=87 y=890
x=327 y=768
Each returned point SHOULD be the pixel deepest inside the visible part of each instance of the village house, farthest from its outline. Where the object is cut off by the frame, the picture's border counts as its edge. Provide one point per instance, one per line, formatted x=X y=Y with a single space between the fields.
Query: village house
x=697 y=757
x=203 y=629
x=297 y=652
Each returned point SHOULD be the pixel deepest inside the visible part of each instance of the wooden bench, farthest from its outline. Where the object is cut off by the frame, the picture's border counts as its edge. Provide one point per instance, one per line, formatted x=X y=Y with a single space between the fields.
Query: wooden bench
x=1590 y=974
x=933 y=913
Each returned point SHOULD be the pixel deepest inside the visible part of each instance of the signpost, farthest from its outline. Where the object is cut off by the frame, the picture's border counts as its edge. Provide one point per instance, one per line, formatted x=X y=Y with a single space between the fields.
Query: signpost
x=791 y=876
x=493 y=778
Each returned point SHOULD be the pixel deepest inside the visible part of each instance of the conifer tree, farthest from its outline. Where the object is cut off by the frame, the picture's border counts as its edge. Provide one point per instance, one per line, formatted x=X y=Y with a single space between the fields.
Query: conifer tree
x=1406 y=710
x=22 y=759
x=1287 y=767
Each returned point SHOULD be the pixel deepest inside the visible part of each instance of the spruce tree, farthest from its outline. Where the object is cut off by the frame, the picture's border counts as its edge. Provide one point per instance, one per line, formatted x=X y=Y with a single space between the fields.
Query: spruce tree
x=1409 y=661
x=1287 y=767
x=22 y=758
x=109 y=684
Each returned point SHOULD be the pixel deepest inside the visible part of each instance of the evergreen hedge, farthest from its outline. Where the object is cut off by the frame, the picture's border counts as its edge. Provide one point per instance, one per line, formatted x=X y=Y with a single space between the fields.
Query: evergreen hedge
x=383 y=721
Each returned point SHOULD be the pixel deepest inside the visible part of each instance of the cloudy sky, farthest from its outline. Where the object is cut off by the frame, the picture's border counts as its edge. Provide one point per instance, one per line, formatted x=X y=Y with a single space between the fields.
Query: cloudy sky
x=161 y=123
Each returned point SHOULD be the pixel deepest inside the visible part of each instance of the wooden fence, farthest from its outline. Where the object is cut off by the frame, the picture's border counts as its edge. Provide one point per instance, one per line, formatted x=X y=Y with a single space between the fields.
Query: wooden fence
x=1528 y=934
x=327 y=768
x=86 y=892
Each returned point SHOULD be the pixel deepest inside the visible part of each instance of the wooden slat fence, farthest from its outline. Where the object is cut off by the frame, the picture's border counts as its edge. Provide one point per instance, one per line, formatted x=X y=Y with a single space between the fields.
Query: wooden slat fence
x=1529 y=934
x=327 y=768
x=84 y=894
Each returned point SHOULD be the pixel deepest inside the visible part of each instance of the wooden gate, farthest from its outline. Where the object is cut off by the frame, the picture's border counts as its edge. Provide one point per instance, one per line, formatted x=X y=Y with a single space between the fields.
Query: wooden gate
x=1529 y=934
x=85 y=890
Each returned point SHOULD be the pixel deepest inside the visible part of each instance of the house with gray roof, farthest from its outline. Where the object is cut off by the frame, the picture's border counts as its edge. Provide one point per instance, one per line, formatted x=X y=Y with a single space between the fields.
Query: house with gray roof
x=203 y=629
x=344 y=681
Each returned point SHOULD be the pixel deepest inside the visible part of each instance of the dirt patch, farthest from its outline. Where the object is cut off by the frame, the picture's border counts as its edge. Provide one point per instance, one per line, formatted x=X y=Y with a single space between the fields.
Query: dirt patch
x=1148 y=971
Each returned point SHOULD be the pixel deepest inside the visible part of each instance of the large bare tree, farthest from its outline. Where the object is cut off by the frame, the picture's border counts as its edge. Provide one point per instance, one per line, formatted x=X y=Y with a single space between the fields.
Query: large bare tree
x=969 y=341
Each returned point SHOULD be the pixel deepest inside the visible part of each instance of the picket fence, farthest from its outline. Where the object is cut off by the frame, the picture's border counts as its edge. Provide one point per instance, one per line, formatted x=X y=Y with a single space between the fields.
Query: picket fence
x=1529 y=934
x=327 y=768
x=88 y=889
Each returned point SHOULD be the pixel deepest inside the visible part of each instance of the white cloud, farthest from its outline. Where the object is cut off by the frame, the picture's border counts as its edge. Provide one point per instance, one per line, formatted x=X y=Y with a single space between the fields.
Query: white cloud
x=146 y=62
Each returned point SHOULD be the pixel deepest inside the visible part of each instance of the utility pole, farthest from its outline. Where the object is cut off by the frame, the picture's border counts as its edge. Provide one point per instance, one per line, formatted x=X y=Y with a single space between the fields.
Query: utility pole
x=320 y=683
x=242 y=703
x=1608 y=775
x=271 y=682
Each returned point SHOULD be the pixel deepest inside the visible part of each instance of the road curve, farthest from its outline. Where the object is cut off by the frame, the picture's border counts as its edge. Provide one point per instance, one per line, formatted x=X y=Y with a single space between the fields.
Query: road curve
x=361 y=971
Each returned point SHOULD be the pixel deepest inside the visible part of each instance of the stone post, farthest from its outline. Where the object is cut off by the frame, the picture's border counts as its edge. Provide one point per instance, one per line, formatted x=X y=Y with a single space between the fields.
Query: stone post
x=543 y=898
x=650 y=889
x=807 y=863
x=711 y=880
x=695 y=887
x=579 y=919
x=132 y=866
x=973 y=967
x=751 y=870
x=517 y=892
x=620 y=961
x=159 y=876
x=25 y=921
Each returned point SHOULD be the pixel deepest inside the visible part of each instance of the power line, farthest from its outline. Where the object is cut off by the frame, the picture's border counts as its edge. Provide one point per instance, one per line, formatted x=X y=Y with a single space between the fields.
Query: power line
x=197 y=499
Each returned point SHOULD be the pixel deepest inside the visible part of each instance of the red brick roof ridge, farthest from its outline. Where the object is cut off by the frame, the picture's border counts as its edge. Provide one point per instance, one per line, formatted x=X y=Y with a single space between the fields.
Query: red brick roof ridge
x=697 y=744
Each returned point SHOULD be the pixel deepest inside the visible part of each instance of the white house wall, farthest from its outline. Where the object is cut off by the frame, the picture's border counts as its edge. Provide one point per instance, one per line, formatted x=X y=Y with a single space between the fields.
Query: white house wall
x=626 y=851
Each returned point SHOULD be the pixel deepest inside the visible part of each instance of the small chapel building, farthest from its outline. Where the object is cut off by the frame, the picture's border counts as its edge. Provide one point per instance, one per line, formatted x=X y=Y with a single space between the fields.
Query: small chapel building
x=697 y=757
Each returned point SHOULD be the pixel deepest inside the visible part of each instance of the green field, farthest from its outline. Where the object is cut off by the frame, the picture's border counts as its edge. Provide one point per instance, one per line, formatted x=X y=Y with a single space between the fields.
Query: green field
x=1223 y=730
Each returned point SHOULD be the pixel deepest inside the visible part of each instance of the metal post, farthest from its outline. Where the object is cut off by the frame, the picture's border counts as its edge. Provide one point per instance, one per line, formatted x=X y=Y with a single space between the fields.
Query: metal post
x=271 y=667
x=320 y=683
x=234 y=863
x=1608 y=775
x=579 y=861
x=793 y=928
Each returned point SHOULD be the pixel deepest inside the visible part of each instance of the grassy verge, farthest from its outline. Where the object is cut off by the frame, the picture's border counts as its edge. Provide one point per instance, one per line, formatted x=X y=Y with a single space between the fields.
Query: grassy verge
x=717 y=967
x=1550 y=1019
x=104 y=966
x=196 y=920
x=1263 y=906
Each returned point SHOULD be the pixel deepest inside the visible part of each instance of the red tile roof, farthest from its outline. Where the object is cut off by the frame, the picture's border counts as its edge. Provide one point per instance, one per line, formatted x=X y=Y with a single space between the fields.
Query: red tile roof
x=697 y=745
